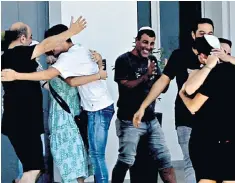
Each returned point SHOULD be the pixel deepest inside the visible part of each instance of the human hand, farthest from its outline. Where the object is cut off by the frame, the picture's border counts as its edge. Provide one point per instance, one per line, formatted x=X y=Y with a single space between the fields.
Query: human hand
x=95 y=56
x=220 y=53
x=151 y=68
x=211 y=61
x=51 y=59
x=102 y=73
x=77 y=26
x=138 y=117
x=8 y=75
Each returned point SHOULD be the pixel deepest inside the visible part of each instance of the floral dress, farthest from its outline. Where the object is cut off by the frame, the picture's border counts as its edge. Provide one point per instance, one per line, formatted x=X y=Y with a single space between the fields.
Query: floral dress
x=67 y=148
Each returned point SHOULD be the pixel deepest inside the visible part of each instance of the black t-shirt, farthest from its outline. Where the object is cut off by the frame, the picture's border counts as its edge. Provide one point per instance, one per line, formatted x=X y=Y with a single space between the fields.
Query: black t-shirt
x=22 y=99
x=179 y=62
x=19 y=59
x=130 y=67
x=216 y=118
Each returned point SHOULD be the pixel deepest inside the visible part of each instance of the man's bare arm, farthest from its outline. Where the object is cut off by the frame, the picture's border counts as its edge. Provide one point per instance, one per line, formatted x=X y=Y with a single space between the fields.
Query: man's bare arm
x=81 y=80
x=134 y=83
x=50 y=43
x=156 y=90
x=194 y=82
x=231 y=59
x=194 y=104
x=223 y=56
x=37 y=76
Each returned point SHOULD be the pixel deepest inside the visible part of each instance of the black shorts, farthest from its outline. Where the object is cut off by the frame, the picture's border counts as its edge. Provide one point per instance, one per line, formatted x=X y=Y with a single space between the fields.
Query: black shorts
x=213 y=160
x=28 y=148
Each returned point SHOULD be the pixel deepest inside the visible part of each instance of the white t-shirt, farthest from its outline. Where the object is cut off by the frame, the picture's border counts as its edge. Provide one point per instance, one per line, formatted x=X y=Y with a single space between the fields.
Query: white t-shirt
x=77 y=62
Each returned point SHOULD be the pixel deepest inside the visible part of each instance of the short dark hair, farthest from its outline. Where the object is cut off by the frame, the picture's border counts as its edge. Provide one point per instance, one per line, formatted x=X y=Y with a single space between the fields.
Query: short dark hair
x=226 y=41
x=150 y=33
x=55 y=30
x=201 y=21
x=202 y=46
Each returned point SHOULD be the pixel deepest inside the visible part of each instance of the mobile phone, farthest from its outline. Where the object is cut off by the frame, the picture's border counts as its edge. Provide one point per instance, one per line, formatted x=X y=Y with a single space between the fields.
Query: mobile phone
x=104 y=64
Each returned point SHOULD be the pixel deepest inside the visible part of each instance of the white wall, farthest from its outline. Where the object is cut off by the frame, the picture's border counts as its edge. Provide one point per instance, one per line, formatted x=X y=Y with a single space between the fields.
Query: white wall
x=111 y=29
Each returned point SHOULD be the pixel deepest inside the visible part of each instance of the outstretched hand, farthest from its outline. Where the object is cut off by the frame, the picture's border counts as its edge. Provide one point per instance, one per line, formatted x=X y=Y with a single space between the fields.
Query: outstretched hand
x=138 y=117
x=77 y=26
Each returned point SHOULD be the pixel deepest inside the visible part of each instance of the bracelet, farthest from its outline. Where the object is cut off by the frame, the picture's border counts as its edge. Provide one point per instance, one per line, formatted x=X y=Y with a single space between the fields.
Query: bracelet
x=208 y=67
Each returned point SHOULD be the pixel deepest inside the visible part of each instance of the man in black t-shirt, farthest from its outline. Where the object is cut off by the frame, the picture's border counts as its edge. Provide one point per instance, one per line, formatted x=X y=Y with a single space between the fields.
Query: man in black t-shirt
x=213 y=129
x=135 y=74
x=180 y=63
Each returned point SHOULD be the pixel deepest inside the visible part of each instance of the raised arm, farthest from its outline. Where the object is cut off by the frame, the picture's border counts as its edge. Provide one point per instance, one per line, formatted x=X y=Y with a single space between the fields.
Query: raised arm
x=223 y=56
x=50 y=43
x=97 y=58
x=231 y=59
x=194 y=82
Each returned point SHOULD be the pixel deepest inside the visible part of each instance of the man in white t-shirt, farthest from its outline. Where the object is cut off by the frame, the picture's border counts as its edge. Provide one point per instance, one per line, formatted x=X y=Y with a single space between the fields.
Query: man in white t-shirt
x=77 y=67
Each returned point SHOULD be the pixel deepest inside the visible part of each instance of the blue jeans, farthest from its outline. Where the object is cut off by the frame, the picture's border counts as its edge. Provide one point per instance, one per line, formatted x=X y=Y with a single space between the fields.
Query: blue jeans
x=20 y=169
x=98 y=126
x=184 y=133
x=129 y=137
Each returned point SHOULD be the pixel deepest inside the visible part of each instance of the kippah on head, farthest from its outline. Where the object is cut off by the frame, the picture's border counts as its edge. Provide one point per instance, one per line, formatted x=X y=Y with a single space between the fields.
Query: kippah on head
x=206 y=43
x=145 y=28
